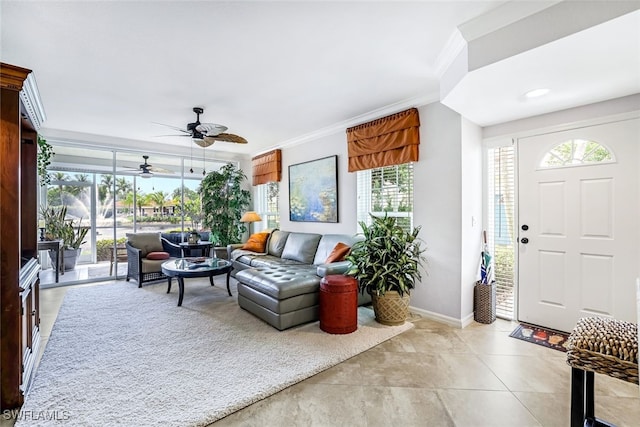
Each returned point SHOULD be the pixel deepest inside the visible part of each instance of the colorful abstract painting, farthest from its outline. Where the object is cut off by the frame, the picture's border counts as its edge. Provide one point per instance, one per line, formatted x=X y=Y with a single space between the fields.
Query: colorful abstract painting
x=313 y=190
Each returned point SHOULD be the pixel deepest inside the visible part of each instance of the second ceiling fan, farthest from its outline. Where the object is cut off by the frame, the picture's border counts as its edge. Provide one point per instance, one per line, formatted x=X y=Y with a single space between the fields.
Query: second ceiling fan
x=205 y=134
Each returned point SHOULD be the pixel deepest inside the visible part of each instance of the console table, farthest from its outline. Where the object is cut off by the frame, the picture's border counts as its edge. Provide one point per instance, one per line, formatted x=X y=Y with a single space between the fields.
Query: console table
x=54 y=245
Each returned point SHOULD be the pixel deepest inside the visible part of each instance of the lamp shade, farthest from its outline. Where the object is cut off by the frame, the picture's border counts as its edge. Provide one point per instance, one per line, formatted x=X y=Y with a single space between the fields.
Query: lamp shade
x=250 y=216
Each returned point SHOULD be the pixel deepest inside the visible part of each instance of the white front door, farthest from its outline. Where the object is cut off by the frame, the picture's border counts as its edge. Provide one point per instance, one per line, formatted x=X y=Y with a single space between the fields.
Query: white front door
x=578 y=225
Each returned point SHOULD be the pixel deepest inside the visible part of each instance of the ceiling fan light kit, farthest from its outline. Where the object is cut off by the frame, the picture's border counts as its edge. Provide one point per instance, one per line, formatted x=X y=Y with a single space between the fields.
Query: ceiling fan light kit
x=205 y=134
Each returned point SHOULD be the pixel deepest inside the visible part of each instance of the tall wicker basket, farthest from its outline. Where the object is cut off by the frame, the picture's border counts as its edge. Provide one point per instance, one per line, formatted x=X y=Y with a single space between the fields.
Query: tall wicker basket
x=484 y=302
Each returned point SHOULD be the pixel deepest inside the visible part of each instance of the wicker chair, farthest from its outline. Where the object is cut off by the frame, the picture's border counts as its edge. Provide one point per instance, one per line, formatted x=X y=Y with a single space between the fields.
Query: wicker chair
x=138 y=246
x=601 y=345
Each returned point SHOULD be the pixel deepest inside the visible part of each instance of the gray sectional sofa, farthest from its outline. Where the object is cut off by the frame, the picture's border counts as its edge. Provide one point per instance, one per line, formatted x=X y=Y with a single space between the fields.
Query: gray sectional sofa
x=281 y=286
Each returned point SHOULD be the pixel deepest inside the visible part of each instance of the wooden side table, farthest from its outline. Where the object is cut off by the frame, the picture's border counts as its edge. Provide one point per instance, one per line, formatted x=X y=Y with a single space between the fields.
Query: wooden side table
x=54 y=245
x=118 y=254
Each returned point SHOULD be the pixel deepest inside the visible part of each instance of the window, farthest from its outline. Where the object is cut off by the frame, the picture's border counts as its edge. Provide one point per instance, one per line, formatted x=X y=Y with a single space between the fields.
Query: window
x=267 y=204
x=576 y=152
x=500 y=228
x=387 y=190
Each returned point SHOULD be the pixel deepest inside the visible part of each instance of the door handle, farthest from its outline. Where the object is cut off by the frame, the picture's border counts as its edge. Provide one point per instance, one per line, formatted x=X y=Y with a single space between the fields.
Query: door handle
x=525 y=227
x=524 y=240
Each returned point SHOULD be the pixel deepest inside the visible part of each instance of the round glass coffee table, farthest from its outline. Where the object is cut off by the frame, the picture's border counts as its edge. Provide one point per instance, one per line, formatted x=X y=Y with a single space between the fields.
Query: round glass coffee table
x=183 y=268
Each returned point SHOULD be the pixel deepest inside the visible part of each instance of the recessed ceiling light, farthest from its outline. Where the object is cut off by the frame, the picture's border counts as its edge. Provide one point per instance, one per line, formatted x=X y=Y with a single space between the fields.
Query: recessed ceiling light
x=535 y=93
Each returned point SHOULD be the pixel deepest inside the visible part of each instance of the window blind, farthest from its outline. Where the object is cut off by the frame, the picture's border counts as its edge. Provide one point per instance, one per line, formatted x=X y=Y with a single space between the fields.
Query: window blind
x=387 y=190
x=500 y=225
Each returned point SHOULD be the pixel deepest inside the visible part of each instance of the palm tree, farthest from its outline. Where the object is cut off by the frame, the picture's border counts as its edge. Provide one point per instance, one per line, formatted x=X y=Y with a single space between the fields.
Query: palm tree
x=57 y=193
x=123 y=186
x=105 y=189
x=128 y=201
x=159 y=198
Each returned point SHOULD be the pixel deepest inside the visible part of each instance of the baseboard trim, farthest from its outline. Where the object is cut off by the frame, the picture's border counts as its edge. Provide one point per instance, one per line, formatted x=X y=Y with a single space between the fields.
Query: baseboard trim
x=451 y=321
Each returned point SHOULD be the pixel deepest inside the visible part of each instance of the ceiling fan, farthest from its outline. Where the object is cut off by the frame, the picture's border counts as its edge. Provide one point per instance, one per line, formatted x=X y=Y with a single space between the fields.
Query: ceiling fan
x=145 y=170
x=205 y=134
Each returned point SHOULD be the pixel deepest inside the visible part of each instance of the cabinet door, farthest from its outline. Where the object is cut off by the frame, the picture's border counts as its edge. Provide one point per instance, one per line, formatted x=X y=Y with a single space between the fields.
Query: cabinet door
x=29 y=321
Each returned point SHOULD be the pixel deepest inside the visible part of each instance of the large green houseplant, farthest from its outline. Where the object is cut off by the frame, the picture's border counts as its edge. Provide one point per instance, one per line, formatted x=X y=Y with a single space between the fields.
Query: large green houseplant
x=387 y=265
x=223 y=203
x=58 y=227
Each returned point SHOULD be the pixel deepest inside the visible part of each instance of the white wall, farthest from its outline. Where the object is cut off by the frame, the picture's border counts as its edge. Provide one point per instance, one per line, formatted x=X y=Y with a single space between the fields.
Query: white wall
x=472 y=195
x=330 y=145
x=437 y=208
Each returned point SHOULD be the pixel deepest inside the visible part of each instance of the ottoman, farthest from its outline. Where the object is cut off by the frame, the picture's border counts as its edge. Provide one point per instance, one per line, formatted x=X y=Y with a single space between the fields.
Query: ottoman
x=284 y=296
x=338 y=304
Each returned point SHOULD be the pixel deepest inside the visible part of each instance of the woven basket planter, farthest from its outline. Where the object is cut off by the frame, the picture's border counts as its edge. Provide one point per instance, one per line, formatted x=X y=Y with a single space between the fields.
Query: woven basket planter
x=391 y=309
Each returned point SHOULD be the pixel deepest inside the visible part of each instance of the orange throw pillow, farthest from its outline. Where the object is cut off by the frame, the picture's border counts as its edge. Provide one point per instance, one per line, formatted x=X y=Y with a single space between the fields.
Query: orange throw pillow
x=257 y=242
x=338 y=253
x=158 y=255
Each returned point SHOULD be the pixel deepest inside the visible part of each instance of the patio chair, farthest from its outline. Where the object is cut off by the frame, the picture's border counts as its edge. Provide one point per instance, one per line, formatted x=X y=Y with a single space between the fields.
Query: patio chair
x=145 y=254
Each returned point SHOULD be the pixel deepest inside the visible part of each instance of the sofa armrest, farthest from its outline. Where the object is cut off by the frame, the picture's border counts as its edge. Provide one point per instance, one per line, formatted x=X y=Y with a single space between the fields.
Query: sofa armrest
x=339 y=267
x=173 y=249
x=232 y=247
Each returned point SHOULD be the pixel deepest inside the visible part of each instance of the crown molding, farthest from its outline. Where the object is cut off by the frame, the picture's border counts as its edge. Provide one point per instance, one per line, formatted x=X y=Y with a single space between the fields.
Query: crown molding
x=452 y=48
x=362 y=118
x=30 y=97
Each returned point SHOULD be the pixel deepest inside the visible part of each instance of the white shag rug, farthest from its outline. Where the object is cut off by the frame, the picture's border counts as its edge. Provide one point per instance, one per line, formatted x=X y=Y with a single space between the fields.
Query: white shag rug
x=122 y=355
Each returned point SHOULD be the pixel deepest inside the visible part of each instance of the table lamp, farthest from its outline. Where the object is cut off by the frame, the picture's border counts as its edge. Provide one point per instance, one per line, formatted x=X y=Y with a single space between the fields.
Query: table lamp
x=250 y=217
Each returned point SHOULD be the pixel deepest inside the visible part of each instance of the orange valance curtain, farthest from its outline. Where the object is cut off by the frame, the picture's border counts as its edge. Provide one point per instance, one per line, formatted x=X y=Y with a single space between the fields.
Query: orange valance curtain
x=267 y=167
x=391 y=140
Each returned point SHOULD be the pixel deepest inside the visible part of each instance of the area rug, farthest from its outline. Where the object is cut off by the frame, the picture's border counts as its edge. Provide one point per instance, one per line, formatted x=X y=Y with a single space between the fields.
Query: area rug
x=122 y=355
x=546 y=337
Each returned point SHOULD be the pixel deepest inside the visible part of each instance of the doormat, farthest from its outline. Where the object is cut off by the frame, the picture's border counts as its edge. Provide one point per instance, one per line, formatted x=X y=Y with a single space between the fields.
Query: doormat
x=546 y=337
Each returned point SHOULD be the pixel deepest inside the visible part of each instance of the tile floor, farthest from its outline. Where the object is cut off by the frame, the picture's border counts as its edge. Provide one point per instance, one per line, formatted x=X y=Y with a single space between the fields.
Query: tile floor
x=432 y=375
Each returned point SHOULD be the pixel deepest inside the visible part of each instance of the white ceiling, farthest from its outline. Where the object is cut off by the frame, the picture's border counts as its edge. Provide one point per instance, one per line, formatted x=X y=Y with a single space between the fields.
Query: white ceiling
x=274 y=72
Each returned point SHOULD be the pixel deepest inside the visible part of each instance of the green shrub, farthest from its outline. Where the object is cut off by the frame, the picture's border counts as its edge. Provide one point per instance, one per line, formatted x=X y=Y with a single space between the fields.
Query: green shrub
x=104 y=248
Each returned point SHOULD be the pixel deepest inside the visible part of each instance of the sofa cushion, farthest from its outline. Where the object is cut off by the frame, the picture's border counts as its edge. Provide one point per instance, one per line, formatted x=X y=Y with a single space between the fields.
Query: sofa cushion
x=146 y=242
x=257 y=242
x=301 y=247
x=327 y=243
x=272 y=261
x=338 y=253
x=281 y=282
x=152 y=265
x=276 y=242
x=158 y=255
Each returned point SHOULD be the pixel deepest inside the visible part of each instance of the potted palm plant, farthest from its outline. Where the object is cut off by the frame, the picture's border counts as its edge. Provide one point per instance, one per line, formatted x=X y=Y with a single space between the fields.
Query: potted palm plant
x=58 y=227
x=224 y=200
x=387 y=264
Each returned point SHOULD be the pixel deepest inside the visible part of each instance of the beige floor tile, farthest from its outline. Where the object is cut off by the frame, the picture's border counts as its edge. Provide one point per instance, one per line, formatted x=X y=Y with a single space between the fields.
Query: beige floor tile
x=305 y=404
x=487 y=341
x=472 y=408
x=396 y=406
x=530 y=373
x=609 y=386
x=620 y=411
x=551 y=410
x=427 y=341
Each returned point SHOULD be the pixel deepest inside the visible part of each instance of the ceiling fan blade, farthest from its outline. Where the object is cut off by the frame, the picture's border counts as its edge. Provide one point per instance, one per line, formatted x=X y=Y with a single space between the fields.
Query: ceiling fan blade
x=160 y=170
x=159 y=136
x=174 y=128
x=228 y=137
x=210 y=128
x=204 y=142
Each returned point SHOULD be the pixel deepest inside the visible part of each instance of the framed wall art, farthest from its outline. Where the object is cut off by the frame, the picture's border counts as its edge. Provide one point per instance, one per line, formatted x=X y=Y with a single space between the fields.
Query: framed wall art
x=313 y=190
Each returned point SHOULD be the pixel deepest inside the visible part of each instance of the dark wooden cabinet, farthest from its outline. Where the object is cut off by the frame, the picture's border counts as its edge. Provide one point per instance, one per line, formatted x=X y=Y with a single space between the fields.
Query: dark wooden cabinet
x=19 y=282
